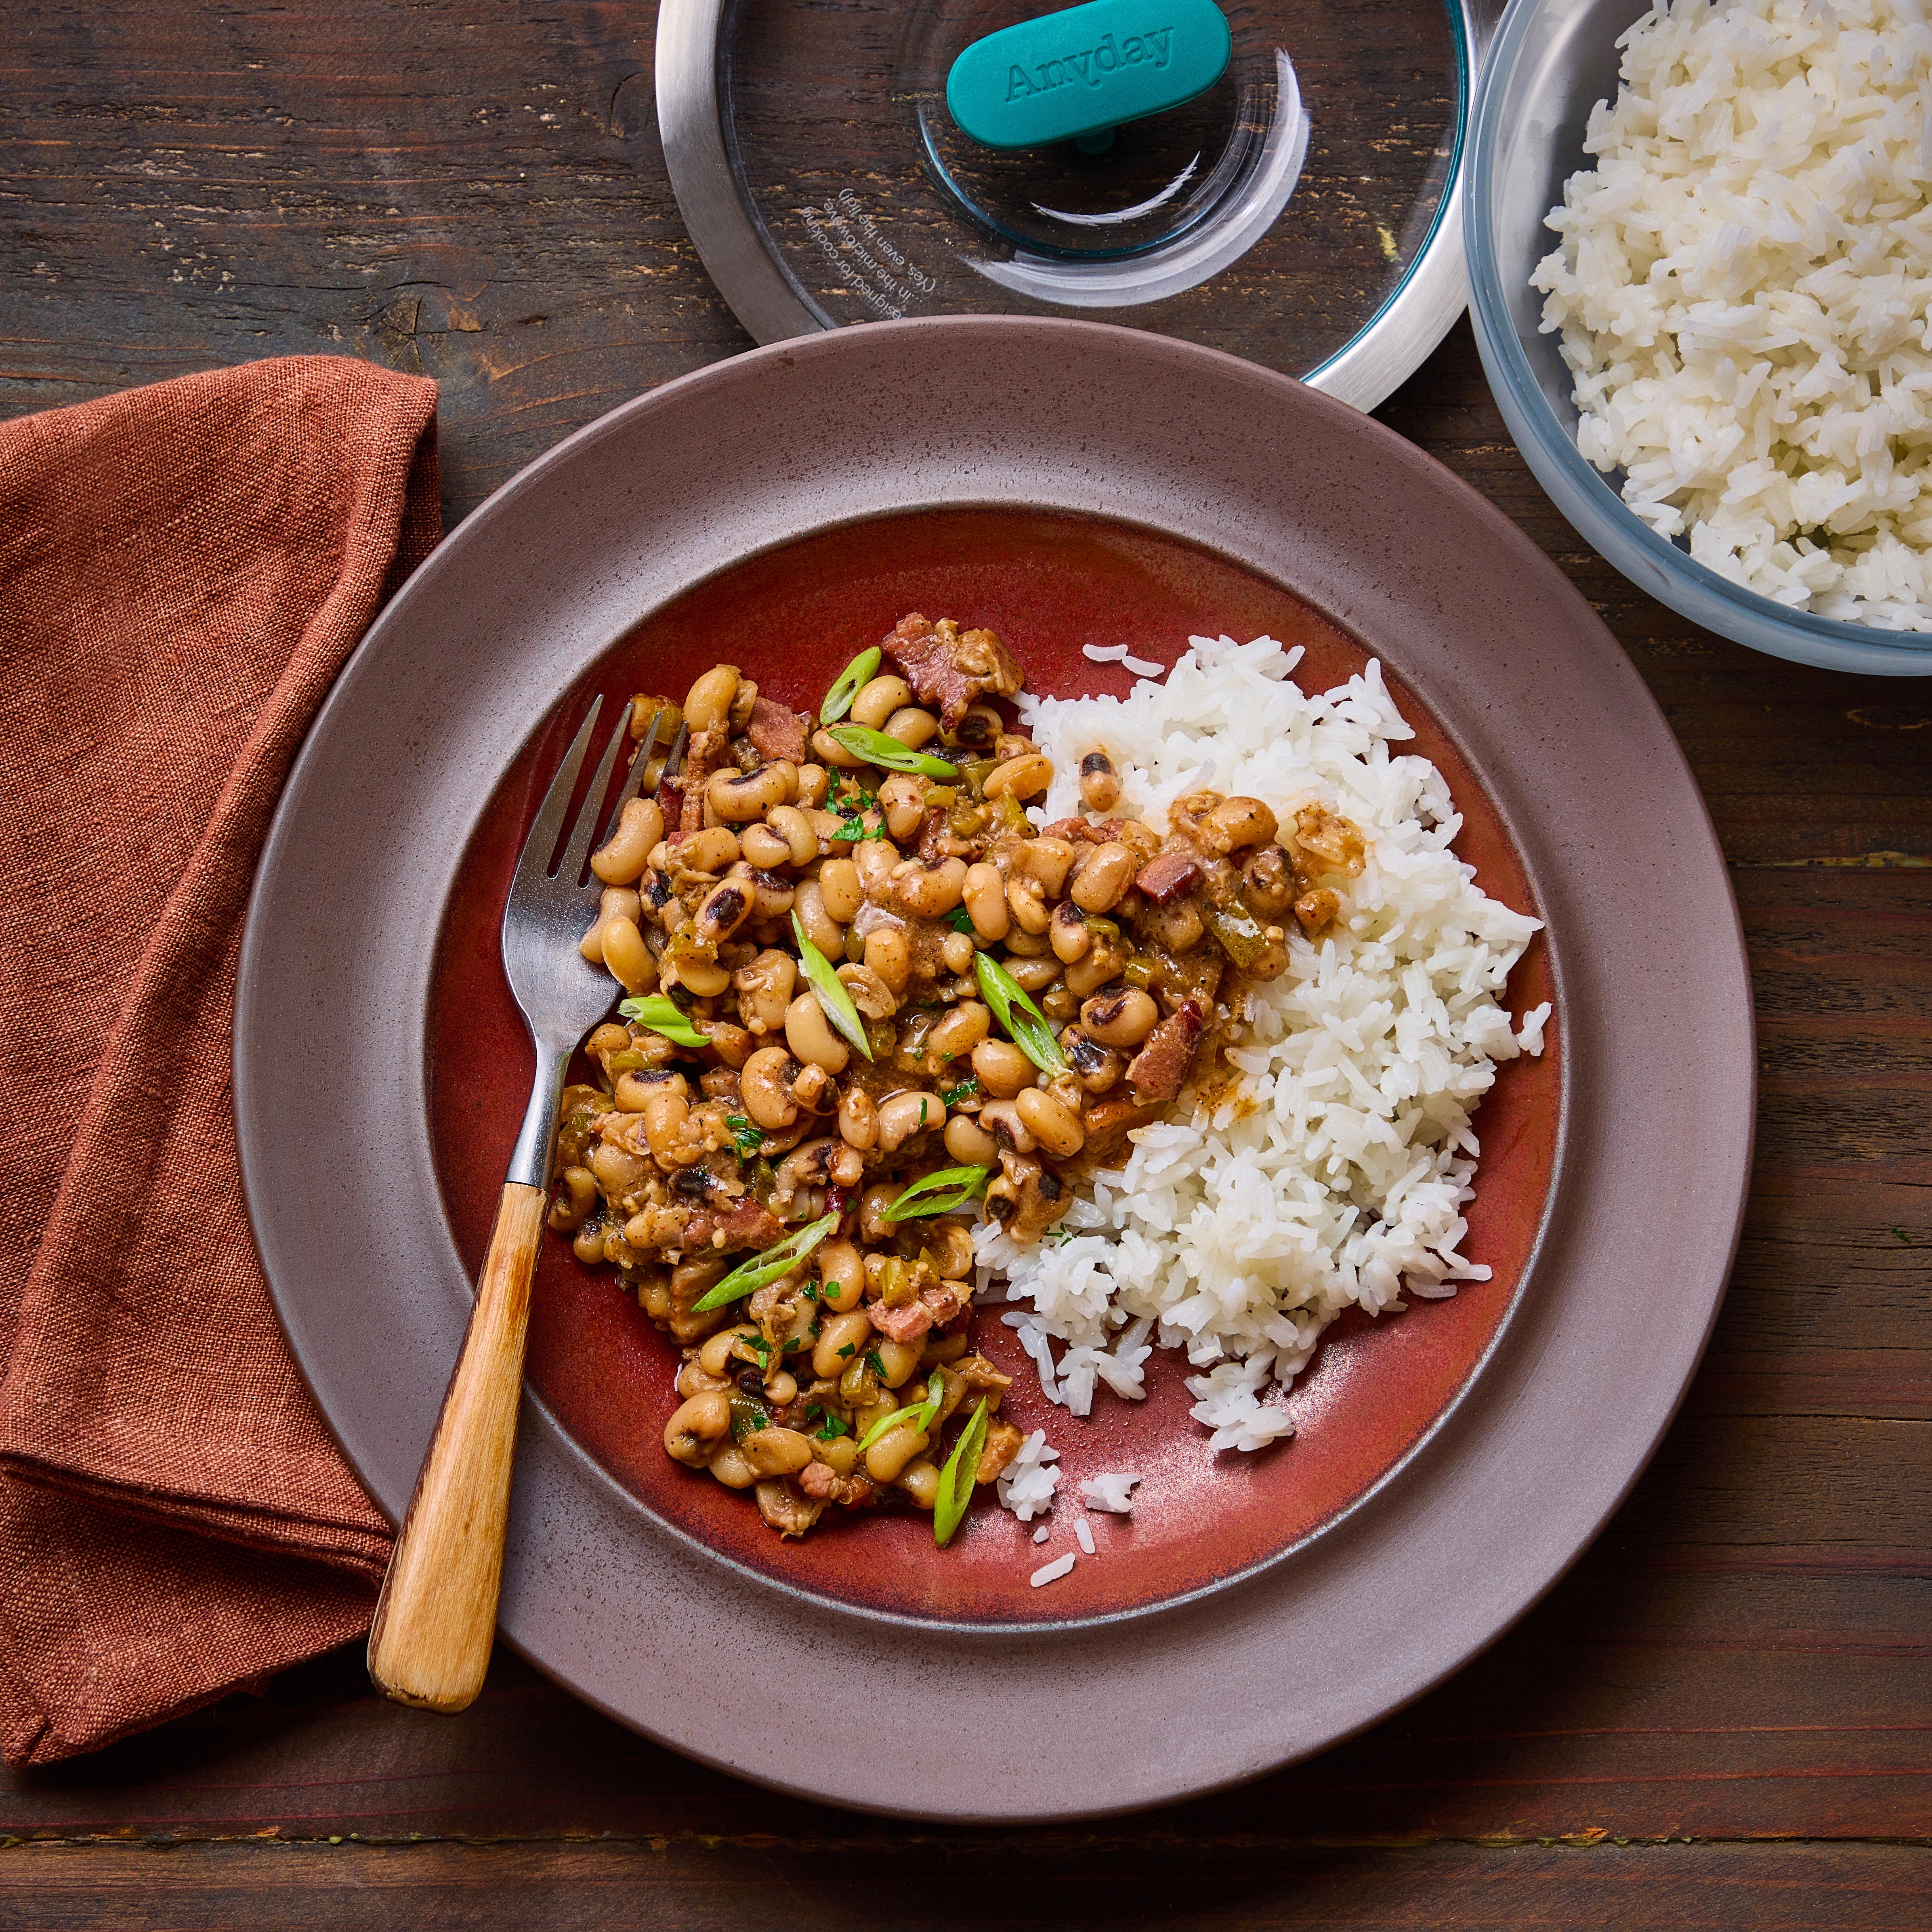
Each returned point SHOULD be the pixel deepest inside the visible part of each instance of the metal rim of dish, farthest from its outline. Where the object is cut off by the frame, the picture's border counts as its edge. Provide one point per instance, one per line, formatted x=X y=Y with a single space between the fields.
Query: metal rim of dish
x=732 y=244
x=1579 y=491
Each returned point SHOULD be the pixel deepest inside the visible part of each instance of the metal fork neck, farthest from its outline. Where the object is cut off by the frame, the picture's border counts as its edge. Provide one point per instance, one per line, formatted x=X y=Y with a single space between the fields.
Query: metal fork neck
x=536 y=1140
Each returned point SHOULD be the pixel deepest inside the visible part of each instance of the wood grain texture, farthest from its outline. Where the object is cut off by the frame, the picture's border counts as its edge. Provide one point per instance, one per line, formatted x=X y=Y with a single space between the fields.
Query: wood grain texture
x=1743 y=1659
x=435 y=1620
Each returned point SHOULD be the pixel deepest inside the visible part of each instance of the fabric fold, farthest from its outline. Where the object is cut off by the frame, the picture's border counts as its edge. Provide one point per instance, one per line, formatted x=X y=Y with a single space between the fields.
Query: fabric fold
x=186 y=569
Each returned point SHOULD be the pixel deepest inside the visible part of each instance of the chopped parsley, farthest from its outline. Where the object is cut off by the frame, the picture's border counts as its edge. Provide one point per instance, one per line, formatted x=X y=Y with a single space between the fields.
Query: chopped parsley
x=745 y=1137
x=960 y=920
x=953 y=1095
x=831 y=1428
x=872 y=1362
x=847 y=1350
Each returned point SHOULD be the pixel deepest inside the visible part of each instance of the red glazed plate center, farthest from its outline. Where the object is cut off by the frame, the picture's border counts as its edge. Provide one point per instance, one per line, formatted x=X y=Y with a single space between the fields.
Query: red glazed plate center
x=791 y=619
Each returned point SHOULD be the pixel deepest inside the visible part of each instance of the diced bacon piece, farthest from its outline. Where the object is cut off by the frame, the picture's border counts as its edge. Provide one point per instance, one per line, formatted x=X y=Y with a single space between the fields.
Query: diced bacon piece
x=1157 y=1071
x=1168 y=876
x=949 y=668
x=776 y=731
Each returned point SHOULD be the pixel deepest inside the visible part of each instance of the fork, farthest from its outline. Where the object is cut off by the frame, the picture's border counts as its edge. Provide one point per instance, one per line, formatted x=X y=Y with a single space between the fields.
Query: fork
x=436 y=1618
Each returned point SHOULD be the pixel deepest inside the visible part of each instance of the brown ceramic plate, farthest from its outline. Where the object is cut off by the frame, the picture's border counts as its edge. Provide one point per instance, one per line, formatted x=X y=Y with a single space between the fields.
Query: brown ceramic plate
x=1072 y=484
x=793 y=618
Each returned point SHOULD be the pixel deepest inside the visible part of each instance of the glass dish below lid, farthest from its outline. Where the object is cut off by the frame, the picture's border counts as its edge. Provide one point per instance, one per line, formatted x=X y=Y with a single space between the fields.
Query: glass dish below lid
x=1302 y=212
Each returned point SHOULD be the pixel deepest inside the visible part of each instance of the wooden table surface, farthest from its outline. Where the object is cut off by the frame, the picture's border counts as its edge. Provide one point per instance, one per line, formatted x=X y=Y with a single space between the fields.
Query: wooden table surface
x=1720 y=1718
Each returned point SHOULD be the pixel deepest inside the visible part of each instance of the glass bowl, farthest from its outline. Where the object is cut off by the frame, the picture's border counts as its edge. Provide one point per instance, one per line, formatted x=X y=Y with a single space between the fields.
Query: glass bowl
x=1552 y=61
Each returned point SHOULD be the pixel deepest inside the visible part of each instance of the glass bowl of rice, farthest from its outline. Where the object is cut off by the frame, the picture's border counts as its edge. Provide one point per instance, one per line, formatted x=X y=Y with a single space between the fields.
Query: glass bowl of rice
x=1732 y=317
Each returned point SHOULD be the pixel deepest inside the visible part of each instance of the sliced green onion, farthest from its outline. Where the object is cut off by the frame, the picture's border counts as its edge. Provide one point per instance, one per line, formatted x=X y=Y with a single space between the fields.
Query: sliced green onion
x=853 y=679
x=761 y=1270
x=831 y=991
x=919 y=1415
x=663 y=1015
x=938 y=1193
x=955 y=1479
x=1019 y=1015
x=876 y=748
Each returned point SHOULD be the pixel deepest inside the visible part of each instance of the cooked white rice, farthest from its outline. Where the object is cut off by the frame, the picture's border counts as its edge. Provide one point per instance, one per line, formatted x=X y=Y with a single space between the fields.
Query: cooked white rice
x=1111 y=1492
x=1340 y=1170
x=1744 y=296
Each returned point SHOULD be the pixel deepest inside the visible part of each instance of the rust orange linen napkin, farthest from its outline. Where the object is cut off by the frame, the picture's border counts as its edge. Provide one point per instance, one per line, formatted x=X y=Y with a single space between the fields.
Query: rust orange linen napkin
x=183 y=570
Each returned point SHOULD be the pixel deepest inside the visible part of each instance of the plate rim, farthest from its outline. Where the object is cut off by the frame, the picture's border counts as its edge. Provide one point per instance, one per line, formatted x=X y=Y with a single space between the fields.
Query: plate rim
x=849 y=346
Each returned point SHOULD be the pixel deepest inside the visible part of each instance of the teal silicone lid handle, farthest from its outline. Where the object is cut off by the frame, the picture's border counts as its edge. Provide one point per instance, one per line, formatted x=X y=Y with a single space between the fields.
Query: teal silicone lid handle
x=1085 y=69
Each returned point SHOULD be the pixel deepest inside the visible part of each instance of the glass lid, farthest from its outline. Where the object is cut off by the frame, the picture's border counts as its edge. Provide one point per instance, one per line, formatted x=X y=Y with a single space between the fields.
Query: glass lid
x=1278 y=180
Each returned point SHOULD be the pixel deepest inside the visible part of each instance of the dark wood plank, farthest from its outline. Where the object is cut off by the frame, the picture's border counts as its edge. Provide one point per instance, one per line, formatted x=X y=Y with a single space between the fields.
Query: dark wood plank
x=1072 y=1881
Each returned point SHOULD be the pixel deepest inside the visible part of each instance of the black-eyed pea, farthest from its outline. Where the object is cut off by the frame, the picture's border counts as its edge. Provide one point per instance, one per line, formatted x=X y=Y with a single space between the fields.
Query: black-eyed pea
x=765 y=988
x=1026 y=900
x=704 y=977
x=811 y=1036
x=1106 y=962
x=839 y=886
x=711 y=850
x=1177 y=927
x=898 y=1360
x=1001 y=1069
x=621 y=860
x=739 y=797
x=877 y=701
x=858 y=1119
x=841 y=1455
x=841 y=1276
x=1035 y=975
x=960 y=1031
x=889 y=953
x=1048 y=860
x=1056 y=1127
x=912 y=726
x=1067 y=933
x=1003 y=1120
x=920 y=1479
x=764 y=1086
x=609 y=1038
x=873 y=1226
x=843 y=1339
x=814 y=782
x=1099 y=783
x=782 y=1388
x=576 y=1197
x=693 y=1434
x=902 y=1115
x=733 y=1467
x=950 y=1249
x=627 y=956
x=1237 y=822
x=977 y=731
x=618 y=1170
x=723 y=910
x=845 y=1165
x=889 y=1455
x=969 y=1143
x=956 y=949
x=587 y=1244
x=878 y=861
x=902 y=798
x=1102 y=877
x=1122 y=1019
x=693 y=1380
x=708 y=707
x=789 y=823
x=765 y=848
x=985 y=891
x=931 y=892
x=1024 y=945
x=1026 y=775
x=823 y=931
x=777 y=1452
x=827 y=751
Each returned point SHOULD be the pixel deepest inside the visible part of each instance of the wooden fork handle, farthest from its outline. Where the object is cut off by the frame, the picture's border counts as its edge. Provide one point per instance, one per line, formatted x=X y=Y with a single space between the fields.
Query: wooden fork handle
x=436 y=1618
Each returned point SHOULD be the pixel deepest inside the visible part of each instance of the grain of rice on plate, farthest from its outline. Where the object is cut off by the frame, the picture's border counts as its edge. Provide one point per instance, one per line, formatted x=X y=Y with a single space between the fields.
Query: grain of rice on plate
x=1744 y=293
x=1337 y=1174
